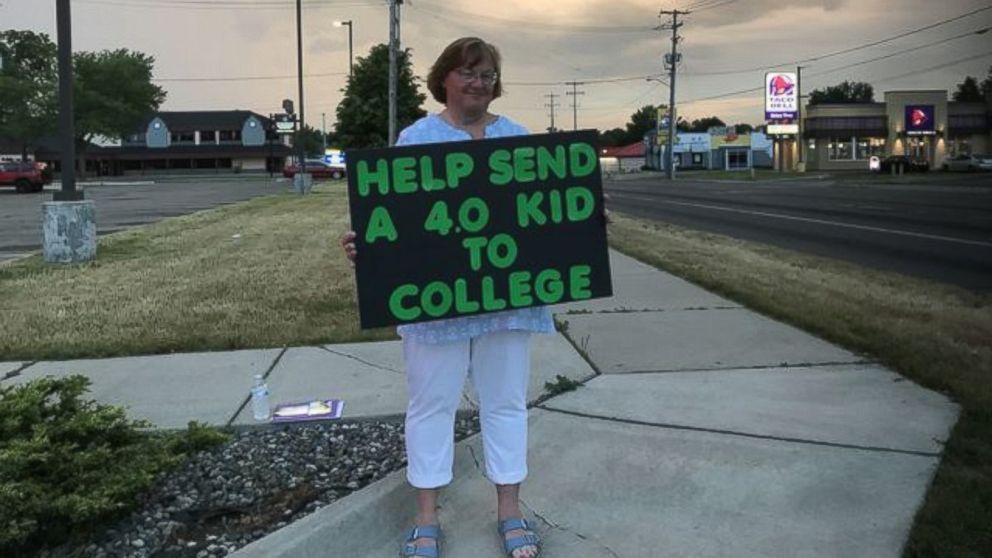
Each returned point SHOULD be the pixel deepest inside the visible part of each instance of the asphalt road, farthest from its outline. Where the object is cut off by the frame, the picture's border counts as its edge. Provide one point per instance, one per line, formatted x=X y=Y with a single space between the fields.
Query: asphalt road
x=125 y=204
x=937 y=227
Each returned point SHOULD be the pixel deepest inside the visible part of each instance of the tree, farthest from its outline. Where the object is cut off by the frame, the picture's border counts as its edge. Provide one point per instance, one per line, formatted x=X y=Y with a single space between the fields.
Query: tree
x=968 y=91
x=744 y=128
x=312 y=141
x=646 y=118
x=28 y=82
x=363 y=114
x=987 y=87
x=703 y=124
x=112 y=94
x=612 y=138
x=845 y=93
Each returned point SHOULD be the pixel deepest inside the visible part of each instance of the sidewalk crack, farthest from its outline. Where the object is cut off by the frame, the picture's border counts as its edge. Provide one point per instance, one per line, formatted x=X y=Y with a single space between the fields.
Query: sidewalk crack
x=17 y=372
x=550 y=524
x=363 y=361
x=475 y=458
x=671 y=426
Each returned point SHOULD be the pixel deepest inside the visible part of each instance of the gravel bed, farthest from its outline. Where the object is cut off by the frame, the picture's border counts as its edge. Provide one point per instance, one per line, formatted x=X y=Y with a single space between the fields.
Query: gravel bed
x=261 y=480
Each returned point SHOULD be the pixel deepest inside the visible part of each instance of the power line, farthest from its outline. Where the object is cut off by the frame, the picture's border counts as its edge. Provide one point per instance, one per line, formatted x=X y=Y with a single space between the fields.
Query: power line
x=846 y=50
x=246 y=78
x=518 y=24
x=708 y=4
x=231 y=5
x=651 y=77
x=930 y=69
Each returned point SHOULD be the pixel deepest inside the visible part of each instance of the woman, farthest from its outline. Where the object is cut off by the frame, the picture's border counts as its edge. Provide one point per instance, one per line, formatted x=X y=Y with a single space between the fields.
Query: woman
x=494 y=348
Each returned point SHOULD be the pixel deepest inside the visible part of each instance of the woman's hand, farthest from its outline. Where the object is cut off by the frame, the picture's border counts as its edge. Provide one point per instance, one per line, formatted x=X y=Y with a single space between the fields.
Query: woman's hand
x=348 y=244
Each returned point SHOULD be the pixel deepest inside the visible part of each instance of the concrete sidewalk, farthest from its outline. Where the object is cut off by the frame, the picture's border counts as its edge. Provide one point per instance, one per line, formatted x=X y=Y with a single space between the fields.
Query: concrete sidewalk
x=703 y=429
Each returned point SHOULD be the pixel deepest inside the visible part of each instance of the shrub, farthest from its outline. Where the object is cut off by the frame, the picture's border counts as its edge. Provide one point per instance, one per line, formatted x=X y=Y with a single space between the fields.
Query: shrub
x=68 y=465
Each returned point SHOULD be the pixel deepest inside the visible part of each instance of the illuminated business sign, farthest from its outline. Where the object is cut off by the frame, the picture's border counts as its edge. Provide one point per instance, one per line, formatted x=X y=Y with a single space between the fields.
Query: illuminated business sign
x=920 y=120
x=781 y=96
x=783 y=129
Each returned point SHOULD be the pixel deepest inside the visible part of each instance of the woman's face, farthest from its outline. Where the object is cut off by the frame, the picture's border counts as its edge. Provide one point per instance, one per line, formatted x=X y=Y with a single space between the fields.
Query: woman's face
x=470 y=89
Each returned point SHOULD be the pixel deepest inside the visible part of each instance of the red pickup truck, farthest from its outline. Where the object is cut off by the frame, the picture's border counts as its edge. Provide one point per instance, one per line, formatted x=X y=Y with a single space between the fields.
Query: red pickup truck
x=25 y=177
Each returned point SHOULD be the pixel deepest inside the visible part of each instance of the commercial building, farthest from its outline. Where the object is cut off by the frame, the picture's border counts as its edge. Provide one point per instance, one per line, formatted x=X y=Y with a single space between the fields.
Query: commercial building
x=188 y=141
x=719 y=148
x=921 y=124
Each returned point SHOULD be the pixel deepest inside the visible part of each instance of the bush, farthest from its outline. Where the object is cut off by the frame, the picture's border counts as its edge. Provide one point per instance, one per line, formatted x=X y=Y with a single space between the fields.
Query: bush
x=68 y=465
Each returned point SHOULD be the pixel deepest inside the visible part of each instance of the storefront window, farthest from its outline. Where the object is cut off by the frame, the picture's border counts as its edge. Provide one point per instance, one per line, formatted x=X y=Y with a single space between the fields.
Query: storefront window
x=736 y=159
x=839 y=149
x=960 y=147
x=868 y=147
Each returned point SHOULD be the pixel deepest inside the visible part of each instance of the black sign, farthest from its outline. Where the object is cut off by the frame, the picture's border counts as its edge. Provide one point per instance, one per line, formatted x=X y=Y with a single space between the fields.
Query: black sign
x=920 y=120
x=462 y=228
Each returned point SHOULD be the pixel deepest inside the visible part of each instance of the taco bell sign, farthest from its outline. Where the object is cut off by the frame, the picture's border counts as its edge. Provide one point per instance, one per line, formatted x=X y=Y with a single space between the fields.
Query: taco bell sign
x=781 y=96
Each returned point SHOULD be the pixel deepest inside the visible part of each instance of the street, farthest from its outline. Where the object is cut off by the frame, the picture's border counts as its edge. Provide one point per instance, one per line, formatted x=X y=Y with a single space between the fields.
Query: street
x=937 y=227
x=125 y=204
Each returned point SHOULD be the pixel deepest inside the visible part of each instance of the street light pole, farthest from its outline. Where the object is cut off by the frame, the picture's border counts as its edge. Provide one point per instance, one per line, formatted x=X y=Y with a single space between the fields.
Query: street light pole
x=67 y=124
x=350 y=63
x=394 y=47
x=299 y=82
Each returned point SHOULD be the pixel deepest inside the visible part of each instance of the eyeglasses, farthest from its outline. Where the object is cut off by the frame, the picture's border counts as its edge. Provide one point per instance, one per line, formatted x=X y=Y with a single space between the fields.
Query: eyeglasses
x=468 y=76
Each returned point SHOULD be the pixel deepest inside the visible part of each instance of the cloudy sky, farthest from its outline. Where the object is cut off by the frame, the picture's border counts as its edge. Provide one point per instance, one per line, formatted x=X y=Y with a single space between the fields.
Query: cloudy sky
x=205 y=49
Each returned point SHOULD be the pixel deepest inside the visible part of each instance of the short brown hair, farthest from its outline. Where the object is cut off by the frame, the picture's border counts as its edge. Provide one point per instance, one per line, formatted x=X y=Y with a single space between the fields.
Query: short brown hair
x=466 y=52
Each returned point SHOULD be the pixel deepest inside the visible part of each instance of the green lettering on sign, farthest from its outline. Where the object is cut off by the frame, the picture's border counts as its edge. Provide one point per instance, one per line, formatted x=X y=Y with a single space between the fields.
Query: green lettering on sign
x=579 y=203
x=528 y=210
x=582 y=159
x=547 y=165
x=520 y=289
x=367 y=178
x=380 y=226
x=502 y=170
x=548 y=286
x=523 y=164
x=458 y=166
x=429 y=182
x=578 y=282
x=436 y=290
x=396 y=303
x=404 y=175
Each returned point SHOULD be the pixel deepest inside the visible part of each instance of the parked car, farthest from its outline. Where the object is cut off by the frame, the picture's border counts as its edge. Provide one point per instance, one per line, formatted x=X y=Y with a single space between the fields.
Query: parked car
x=968 y=163
x=318 y=168
x=905 y=162
x=24 y=176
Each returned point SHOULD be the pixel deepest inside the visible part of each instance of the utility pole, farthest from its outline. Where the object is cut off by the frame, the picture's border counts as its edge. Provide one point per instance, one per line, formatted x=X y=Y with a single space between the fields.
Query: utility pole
x=299 y=84
x=67 y=124
x=323 y=130
x=552 y=106
x=575 y=101
x=800 y=142
x=394 y=47
x=674 y=62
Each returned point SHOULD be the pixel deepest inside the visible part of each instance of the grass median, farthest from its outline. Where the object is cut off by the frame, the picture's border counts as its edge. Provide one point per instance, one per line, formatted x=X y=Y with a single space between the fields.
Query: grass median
x=268 y=273
x=937 y=335
x=263 y=273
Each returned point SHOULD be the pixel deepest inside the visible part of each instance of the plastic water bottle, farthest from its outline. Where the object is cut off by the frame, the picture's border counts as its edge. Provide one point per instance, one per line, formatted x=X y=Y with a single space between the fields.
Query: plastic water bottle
x=260 y=399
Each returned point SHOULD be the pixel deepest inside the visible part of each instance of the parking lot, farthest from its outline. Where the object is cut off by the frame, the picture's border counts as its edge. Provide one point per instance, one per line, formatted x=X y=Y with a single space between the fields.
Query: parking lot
x=120 y=205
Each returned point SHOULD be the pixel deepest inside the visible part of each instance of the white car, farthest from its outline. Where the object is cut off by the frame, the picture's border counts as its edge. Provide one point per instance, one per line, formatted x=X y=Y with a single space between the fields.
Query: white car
x=968 y=163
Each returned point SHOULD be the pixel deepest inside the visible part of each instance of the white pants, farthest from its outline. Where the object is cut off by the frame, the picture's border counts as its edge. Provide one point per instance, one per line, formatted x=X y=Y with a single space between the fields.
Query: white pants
x=500 y=365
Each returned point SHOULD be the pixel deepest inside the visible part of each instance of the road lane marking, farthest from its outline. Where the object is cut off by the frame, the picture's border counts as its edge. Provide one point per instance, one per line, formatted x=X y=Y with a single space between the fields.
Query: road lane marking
x=821 y=222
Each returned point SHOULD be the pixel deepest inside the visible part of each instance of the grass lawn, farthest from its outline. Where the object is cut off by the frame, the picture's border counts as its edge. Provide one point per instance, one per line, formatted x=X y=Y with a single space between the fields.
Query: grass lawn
x=269 y=272
x=264 y=273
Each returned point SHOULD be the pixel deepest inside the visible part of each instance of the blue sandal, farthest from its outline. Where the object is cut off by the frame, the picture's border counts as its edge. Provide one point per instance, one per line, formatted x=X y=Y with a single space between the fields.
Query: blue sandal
x=530 y=539
x=411 y=550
